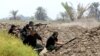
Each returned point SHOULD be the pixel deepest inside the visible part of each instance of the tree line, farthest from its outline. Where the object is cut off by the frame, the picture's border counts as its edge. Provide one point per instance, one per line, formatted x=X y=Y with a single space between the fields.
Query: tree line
x=40 y=14
x=70 y=12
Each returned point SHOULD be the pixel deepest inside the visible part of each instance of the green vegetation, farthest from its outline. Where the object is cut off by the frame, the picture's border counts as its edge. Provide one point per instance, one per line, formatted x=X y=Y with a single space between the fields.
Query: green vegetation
x=69 y=10
x=41 y=14
x=11 y=46
x=94 y=10
x=72 y=13
x=14 y=14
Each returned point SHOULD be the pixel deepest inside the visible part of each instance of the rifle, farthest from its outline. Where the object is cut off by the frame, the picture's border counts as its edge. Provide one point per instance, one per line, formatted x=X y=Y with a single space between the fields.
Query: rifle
x=39 y=24
x=64 y=44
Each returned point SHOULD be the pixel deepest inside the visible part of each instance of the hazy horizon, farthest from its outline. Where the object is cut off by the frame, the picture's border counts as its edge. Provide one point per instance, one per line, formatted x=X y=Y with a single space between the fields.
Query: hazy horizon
x=28 y=7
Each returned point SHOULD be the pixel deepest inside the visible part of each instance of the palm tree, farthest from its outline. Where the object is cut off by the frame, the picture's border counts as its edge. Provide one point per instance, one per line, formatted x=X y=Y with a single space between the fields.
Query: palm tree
x=72 y=14
x=69 y=10
x=63 y=15
x=94 y=9
x=81 y=10
x=14 y=13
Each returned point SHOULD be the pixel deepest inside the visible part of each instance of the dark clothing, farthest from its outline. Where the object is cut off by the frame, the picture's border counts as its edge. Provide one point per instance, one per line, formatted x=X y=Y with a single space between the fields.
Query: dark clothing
x=12 y=28
x=32 y=27
x=51 y=43
x=31 y=24
x=25 y=32
x=32 y=40
x=11 y=31
x=28 y=37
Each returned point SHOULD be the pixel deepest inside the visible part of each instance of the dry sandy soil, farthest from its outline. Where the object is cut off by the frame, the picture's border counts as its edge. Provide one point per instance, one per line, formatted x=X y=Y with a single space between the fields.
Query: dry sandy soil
x=86 y=42
x=86 y=34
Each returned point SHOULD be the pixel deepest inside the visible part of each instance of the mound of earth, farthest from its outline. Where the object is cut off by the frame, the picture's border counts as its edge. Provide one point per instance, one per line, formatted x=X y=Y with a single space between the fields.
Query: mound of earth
x=85 y=44
x=5 y=25
x=65 y=33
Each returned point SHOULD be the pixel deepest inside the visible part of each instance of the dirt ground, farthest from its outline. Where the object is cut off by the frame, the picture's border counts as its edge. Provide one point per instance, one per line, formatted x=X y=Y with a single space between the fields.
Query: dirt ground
x=86 y=34
x=86 y=42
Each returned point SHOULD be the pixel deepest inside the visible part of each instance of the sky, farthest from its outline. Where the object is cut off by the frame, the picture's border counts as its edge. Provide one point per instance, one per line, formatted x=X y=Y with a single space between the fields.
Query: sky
x=28 y=7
